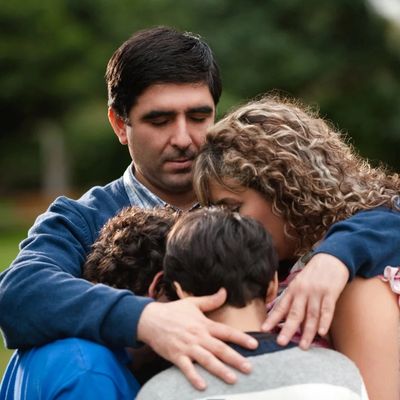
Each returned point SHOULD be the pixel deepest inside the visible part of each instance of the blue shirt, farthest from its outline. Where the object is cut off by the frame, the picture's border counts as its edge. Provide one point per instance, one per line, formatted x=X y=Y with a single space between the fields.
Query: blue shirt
x=68 y=369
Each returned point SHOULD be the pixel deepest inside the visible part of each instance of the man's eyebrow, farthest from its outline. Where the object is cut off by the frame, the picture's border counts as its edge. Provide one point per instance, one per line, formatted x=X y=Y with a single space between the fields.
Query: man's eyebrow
x=160 y=113
x=200 y=110
x=157 y=113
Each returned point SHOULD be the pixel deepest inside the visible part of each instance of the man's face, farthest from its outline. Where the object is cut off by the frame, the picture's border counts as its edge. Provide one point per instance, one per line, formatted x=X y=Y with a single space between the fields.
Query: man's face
x=167 y=126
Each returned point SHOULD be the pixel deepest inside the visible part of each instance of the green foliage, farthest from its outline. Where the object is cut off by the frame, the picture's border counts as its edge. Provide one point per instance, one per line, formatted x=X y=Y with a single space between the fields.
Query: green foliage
x=336 y=54
x=333 y=54
x=8 y=250
x=9 y=242
x=4 y=357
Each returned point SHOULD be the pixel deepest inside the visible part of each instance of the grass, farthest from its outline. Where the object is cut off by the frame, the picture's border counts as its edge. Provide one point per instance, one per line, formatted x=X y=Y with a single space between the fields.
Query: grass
x=8 y=250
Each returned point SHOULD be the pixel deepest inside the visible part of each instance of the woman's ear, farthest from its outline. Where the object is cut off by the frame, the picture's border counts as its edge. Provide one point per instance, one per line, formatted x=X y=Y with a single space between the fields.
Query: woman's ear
x=118 y=124
x=272 y=290
x=180 y=292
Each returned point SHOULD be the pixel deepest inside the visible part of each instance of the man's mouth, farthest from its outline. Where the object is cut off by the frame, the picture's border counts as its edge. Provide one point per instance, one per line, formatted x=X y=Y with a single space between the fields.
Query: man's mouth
x=180 y=163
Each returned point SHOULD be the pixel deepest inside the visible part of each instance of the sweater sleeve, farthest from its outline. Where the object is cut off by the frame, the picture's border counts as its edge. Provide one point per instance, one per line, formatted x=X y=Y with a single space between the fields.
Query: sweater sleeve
x=43 y=298
x=366 y=242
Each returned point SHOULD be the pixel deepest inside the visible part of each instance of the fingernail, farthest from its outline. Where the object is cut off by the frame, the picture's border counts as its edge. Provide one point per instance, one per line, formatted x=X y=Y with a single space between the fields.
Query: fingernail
x=253 y=343
x=265 y=327
x=201 y=385
x=282 y=340
x=246 y=367
x=230 y=377
x=304 y=344
x=322 y=331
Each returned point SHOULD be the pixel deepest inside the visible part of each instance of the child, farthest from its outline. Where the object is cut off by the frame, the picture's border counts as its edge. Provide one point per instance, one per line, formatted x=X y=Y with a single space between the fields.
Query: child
x=128 y=255
x=213 y=248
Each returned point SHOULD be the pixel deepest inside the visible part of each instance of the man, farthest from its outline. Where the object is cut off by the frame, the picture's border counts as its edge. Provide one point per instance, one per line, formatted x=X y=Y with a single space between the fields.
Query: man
x=212 y=248
x=163 y=87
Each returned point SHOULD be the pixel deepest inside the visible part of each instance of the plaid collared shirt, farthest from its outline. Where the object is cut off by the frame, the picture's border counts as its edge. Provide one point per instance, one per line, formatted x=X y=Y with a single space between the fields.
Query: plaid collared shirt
x=140 y=196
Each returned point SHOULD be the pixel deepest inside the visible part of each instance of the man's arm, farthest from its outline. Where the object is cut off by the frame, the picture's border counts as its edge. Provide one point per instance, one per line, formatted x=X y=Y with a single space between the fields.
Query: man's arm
x=41 y=297
x=45 y=300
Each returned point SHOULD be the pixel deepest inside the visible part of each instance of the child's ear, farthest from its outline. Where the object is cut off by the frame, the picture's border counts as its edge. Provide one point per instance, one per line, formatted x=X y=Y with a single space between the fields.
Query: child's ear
x=154 y=291
x=272 y=291
x=180 y=292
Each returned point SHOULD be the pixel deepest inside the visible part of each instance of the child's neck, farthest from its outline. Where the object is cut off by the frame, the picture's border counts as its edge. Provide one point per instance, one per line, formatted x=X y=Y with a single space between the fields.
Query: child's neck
x=246 y=319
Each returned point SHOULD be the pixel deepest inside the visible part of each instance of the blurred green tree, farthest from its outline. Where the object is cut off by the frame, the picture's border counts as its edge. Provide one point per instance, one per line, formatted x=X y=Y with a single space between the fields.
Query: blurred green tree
x=335 y=54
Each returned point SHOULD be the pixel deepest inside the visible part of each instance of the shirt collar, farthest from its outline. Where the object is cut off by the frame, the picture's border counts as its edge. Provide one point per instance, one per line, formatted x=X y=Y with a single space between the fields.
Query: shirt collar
x=140 y=195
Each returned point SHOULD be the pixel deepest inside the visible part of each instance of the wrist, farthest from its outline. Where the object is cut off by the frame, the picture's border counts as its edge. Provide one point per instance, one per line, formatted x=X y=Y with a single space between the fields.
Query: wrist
x=144 y=326
x=333 y=262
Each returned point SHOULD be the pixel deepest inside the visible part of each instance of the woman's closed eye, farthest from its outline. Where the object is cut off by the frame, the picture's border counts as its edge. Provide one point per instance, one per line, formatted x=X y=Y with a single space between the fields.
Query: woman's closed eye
x=233 y=207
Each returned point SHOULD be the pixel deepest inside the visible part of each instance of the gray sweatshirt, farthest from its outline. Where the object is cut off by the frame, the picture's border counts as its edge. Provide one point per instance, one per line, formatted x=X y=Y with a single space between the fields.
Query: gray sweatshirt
x=288 y=374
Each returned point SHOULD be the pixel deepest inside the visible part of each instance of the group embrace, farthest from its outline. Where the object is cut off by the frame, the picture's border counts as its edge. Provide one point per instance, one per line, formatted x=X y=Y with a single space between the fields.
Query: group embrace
x=253 y=258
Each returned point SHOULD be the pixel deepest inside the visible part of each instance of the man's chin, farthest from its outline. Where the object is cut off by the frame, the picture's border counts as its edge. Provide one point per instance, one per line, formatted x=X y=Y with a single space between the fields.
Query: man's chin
x=180 y=185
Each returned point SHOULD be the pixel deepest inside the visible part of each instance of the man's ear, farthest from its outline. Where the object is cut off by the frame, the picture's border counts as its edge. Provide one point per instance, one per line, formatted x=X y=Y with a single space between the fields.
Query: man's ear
x=118 y=124
x=272 y=291
x=154 y=291
x=180 y=292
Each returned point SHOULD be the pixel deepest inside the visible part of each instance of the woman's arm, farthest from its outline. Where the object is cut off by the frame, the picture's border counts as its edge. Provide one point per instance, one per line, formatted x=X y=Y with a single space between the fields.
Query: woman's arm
x=363 y=244
x=366 y=242
x=365 y=327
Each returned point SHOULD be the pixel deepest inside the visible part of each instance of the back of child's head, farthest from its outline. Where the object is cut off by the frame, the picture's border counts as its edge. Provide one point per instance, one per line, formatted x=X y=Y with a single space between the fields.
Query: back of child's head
x=130 y=249
x=213 y=248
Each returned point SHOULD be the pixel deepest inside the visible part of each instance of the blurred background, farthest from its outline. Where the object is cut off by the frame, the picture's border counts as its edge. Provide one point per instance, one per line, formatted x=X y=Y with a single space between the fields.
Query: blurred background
x=342 y=56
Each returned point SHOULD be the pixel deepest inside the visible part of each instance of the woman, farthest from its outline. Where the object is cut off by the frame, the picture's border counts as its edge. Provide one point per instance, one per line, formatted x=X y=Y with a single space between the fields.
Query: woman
x=278 y=162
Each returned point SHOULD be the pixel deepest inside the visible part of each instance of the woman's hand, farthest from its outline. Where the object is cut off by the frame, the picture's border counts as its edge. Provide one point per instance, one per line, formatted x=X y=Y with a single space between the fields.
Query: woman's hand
x=179 y=332
x=309 y=300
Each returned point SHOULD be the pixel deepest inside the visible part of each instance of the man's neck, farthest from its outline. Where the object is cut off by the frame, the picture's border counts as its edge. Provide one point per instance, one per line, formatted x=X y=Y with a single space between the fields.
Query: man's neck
x=183 y=200
x=246 y=319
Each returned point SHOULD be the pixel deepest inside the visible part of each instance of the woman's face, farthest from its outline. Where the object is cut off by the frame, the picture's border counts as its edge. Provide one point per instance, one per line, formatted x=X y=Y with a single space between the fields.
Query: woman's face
x=250 y=203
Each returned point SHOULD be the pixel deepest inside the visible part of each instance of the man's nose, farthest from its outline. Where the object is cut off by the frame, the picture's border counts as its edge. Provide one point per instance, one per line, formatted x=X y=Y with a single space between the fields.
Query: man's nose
x=181 y=137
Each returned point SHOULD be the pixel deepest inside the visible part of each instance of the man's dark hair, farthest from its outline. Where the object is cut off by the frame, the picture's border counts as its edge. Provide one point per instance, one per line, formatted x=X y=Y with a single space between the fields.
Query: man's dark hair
x=130 y=249
x=213 y=248
x=159 y=55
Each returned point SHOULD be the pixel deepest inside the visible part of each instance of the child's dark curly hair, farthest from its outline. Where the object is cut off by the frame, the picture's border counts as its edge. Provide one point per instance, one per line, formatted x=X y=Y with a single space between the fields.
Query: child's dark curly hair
x=130 y=249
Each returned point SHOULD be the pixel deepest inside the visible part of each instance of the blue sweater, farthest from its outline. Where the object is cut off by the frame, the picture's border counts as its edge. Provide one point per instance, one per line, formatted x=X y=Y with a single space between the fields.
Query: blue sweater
x=43 y=299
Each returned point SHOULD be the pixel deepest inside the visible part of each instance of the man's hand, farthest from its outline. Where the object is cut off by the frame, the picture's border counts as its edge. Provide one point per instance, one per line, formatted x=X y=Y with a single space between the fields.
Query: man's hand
x=309 y=300
x=179 y=332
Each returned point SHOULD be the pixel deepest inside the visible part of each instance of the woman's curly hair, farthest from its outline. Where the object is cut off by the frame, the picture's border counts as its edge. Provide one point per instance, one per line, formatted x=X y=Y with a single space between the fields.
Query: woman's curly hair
x=298 y=161
x=130 y=249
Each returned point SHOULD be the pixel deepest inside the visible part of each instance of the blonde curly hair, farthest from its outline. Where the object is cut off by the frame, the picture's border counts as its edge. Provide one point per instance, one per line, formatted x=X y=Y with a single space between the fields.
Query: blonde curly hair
x=297 y=161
